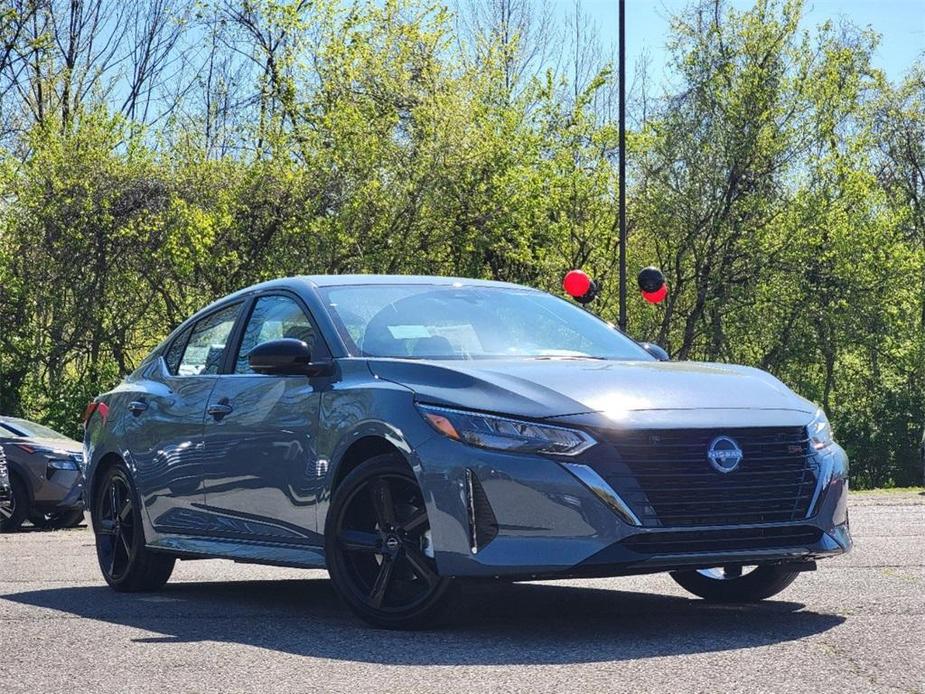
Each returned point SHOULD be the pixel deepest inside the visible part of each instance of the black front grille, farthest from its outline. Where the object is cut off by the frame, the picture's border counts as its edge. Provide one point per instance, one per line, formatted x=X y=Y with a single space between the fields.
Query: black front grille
x=689 y=541
x=667 y=480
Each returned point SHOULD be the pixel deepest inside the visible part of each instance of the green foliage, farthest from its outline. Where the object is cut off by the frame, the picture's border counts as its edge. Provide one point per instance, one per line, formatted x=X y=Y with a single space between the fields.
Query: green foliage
x=779 y=185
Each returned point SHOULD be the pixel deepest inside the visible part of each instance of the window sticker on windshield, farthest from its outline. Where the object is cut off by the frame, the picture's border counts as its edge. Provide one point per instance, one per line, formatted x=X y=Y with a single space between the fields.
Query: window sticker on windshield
x=408 y=332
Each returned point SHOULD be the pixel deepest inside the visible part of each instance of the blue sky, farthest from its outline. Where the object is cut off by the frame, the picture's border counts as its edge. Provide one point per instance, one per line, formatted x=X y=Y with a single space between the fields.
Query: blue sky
x=901 y=24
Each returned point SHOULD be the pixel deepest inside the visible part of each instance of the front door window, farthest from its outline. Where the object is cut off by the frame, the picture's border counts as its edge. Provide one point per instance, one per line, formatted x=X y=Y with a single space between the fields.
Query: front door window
x=273 y=318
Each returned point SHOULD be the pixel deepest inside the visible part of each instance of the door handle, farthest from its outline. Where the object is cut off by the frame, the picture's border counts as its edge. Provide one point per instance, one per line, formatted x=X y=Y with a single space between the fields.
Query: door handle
x=136 y=407
x=219 y=410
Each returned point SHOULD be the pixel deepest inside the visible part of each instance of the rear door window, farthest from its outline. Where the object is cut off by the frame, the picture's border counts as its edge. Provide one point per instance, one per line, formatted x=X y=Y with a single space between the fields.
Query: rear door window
x=205 y=351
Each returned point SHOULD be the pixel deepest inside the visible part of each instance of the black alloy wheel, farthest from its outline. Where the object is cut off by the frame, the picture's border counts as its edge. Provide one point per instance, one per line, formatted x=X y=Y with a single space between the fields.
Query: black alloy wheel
x=379 y=549
x=736 y=583
x=126 y=564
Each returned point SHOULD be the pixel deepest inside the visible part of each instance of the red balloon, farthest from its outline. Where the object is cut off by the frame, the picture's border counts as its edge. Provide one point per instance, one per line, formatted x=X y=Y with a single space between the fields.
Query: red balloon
x=576 y=283
x=657 y=296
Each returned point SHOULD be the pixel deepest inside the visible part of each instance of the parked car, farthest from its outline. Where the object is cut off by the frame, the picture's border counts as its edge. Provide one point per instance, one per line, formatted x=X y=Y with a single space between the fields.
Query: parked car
x=45 y=476
x=408 y=433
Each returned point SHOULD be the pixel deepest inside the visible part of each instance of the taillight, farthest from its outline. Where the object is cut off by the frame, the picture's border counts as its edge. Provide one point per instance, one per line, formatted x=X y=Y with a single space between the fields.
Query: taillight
x=88 y=412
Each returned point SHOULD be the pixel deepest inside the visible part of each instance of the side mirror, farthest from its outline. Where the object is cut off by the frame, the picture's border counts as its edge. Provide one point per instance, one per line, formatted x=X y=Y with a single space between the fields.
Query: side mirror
x=656 y=351
x=285 y=357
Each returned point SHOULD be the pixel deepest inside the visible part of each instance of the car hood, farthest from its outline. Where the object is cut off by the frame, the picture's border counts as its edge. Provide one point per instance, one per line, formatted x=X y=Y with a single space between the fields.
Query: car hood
x=542 y=388
x=63 y=445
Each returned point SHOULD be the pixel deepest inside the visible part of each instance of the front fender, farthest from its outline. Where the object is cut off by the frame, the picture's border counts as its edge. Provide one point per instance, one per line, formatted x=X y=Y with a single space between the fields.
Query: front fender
x=366 y=408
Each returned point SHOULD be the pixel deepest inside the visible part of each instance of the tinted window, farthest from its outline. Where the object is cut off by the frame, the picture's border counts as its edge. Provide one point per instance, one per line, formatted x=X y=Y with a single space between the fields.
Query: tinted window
x=273 y=318
x=446 y=322
x=173 y=354
x=206 y=347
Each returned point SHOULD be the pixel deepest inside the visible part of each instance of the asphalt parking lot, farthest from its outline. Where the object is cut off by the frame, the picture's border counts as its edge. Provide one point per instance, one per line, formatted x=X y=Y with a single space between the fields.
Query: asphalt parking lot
x=857 y=624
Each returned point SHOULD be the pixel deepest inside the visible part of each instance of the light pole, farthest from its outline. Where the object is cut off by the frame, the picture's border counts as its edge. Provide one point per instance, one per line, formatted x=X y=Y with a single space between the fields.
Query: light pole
x=621 y=205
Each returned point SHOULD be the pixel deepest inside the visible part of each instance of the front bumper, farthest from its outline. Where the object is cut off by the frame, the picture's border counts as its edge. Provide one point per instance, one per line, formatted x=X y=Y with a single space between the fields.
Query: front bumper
x=67 y=495
x=547 y=523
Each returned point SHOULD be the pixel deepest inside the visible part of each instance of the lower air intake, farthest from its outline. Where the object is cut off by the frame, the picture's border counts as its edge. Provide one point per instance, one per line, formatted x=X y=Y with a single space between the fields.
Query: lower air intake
x=723 y=540
x=483 y=526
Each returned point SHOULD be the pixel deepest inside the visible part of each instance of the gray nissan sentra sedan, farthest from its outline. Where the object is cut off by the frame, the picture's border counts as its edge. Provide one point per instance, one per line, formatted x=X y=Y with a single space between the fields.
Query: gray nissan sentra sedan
x=410 y=433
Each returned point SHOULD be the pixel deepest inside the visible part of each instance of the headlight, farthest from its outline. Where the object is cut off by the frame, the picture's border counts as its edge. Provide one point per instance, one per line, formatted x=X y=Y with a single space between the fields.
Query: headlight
x=60 y=464
x=501 y=433
x=820 y=431
x=63 y=459
x=832 y=465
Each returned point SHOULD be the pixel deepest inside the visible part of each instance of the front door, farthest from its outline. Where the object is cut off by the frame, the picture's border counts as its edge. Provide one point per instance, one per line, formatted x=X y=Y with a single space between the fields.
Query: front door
x=263 y=473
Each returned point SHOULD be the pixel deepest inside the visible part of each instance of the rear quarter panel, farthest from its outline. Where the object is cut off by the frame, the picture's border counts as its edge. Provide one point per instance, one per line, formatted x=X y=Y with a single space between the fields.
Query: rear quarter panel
x=104 y=435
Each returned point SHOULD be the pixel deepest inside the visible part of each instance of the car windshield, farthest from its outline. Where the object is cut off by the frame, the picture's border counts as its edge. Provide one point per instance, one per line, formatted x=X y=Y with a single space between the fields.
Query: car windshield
x=21 y=428
x=458 y=322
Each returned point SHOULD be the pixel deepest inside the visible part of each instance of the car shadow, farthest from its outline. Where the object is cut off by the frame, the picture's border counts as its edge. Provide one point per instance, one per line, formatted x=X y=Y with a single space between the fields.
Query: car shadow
x=29 y=528
x=503 y=624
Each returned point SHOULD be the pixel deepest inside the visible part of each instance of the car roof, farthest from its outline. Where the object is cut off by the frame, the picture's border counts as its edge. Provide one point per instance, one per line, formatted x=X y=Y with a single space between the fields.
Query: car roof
x=343 y=280
x=326 y=281
x=339 y=280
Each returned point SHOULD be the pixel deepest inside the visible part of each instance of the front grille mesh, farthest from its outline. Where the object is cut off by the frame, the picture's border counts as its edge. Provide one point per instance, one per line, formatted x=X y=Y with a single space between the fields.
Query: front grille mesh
x=666 y=479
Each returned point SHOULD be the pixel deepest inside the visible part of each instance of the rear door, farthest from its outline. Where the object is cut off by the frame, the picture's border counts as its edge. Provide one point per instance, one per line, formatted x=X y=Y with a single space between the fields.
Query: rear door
x=165 y=420
x=263 y=474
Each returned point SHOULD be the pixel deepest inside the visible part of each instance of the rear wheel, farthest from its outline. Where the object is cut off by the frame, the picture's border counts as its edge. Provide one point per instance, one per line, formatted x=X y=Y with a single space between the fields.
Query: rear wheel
x=379 y=550
x=735 y=583
x=126 y=563
x=15 y=510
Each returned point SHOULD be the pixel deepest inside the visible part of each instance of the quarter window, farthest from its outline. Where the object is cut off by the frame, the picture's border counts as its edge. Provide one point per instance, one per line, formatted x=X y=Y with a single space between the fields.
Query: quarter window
x=173 y=354
x=273 y=318
x=206 y=346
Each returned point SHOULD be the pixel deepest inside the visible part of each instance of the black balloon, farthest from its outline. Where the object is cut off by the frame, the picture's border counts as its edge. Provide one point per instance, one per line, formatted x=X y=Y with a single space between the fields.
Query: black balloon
x=651 y=279
x=589 y=295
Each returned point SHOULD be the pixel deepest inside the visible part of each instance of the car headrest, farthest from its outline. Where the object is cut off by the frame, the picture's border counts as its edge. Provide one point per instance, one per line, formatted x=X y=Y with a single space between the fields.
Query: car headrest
x=435 y=346
x=301 y=332
x=213 y=359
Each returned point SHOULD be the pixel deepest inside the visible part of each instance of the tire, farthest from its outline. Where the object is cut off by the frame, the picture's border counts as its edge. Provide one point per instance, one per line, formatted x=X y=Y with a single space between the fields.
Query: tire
x=725 y=586
x=16 y=510
x=377 y=542
x=57 y=521
x=125 y=562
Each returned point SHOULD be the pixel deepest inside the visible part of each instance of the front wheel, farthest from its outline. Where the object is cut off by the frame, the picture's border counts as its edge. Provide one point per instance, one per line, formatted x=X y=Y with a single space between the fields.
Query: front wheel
x=57 y=520
x=735 y=583
x=379 y=550
x=126 y=564
x=15 y=510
